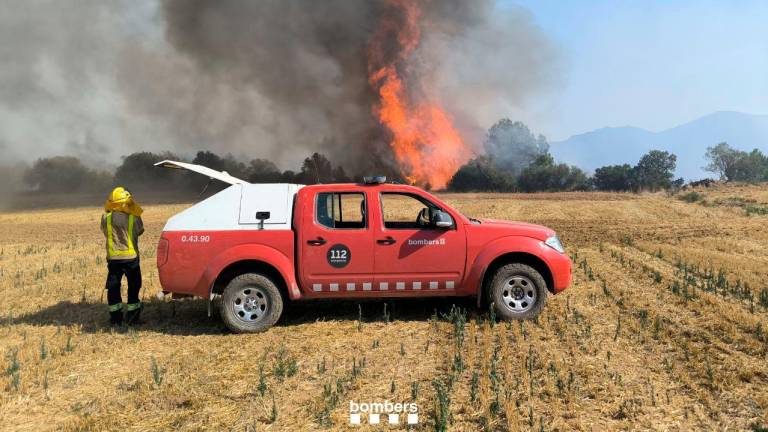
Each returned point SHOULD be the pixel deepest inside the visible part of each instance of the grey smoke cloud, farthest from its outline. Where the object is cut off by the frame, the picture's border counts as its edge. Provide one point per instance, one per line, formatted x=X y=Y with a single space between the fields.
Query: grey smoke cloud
x=271 y=79
x=57 y=88
x=490 y=69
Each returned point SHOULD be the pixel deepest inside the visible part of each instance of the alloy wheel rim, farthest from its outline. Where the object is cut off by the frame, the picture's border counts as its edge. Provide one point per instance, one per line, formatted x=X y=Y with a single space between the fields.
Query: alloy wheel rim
x=518 y=294
x=250 y=304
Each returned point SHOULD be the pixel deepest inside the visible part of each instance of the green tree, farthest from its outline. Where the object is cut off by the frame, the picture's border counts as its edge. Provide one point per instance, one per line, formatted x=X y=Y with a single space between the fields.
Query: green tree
x=655 y=170
x=512 y=145
x=613 y=178
x=544 y=175
x=751 y=167
x=723 y=160
x=65 y=174
x=263 y=171
x=736 y=165
x=316 y=169
x=340 y=176
x=211 y=160
x=481 y=174
x=138 y=172
x=227 y=163
x=290 y=176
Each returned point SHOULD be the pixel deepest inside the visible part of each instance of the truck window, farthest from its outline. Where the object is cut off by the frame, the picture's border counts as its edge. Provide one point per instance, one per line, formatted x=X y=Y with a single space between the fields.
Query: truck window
x=341 y=210
x=404 y=211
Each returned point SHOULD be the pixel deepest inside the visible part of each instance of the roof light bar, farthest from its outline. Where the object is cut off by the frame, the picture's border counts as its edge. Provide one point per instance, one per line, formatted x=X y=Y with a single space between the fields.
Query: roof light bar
x=374 y=179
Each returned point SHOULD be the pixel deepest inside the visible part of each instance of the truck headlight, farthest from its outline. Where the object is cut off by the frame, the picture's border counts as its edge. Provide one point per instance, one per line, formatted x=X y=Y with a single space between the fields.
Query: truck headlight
x=554 y=243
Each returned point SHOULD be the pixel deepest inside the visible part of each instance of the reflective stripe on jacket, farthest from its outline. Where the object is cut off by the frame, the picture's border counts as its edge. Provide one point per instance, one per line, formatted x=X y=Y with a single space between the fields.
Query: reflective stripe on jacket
x=122 y=234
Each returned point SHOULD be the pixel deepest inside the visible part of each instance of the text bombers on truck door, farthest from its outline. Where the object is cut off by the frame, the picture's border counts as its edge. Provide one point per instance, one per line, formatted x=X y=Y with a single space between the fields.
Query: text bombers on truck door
x=412 y=255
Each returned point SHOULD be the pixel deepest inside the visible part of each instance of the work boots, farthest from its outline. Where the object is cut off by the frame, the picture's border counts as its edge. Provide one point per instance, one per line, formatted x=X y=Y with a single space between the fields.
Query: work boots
x=116 y=318
x=132 y=317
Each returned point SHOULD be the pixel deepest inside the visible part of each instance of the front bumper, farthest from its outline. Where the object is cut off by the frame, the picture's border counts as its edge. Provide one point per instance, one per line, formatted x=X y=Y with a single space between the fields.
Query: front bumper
x=560 y=265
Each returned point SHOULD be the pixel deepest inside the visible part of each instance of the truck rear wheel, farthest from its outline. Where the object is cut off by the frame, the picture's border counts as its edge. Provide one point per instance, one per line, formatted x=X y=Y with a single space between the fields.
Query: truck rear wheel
x=251 y=303
x=518 y=292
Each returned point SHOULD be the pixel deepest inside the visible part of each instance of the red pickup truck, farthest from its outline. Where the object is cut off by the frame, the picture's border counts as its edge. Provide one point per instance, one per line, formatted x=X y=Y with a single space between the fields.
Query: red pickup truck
x=259 y=245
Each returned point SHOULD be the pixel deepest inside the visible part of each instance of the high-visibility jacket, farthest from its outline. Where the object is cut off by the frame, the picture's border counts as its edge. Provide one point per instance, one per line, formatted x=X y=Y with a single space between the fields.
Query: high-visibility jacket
x=122 y=232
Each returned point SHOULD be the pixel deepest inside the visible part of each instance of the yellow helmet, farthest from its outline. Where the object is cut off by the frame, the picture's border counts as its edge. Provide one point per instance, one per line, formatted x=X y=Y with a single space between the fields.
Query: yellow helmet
x=121 y=200
x=119 y=195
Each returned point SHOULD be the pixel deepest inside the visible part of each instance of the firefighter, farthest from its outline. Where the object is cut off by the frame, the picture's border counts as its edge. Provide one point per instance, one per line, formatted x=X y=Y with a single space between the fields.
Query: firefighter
x=121 y=224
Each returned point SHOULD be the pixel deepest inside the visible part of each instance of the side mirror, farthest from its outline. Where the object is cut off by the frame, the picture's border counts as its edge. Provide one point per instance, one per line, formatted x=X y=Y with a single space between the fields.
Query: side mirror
x=442 y=219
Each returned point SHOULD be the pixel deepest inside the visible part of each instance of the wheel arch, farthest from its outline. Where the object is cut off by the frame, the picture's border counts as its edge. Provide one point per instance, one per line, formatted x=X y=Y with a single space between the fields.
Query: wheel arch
x=526 y=258
x=249 y=258
x=237 y=268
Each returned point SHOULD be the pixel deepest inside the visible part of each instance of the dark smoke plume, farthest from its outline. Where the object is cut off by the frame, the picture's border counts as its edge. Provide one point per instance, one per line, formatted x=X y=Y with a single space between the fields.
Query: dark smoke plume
x=308 y=62
x=267 y=78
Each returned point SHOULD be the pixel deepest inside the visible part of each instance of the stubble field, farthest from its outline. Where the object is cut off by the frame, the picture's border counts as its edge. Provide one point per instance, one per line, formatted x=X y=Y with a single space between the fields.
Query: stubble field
x=664 y=328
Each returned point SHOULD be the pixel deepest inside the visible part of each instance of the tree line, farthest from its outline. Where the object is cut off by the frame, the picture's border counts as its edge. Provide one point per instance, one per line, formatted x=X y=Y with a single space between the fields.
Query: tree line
x=66 y=174
x=736 y=165
x=514 y=160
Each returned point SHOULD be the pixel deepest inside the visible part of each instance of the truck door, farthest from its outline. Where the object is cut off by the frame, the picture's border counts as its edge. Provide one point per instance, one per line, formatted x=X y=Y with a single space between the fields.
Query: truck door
x=412 y=254
x=336 y=244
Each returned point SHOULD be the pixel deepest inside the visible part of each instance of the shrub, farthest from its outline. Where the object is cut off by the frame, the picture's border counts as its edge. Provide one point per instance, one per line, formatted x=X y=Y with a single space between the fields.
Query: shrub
x=691 y=197
x=613 y=178
x=546 y=176
x=481 y=174
x=65 y=174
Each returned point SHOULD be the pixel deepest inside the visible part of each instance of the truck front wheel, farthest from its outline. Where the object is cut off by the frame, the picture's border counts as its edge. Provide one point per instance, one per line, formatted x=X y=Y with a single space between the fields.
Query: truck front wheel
x=251 y=303
x=518 y=292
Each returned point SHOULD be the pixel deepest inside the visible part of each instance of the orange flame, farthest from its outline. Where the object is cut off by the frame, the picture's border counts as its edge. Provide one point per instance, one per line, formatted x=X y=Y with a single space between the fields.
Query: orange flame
x=426 y=145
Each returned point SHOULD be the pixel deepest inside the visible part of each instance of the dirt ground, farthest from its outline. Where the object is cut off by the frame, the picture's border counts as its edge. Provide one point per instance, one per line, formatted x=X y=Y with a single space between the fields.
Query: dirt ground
x=664 y=328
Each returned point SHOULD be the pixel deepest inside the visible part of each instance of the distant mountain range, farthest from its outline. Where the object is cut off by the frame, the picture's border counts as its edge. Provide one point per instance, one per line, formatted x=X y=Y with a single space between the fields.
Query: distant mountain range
x=689 y=141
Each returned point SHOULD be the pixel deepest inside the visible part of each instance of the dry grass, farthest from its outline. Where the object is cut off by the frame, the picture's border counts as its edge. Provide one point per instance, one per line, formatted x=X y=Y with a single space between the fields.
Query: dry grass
x=647 y=338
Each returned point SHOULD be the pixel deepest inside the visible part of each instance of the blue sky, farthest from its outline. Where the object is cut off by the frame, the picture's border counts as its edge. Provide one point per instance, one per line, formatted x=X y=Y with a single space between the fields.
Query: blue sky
x=651 y=64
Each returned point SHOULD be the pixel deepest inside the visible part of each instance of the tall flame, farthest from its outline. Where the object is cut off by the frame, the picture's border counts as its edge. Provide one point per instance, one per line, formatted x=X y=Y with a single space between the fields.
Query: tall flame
x=426 y=145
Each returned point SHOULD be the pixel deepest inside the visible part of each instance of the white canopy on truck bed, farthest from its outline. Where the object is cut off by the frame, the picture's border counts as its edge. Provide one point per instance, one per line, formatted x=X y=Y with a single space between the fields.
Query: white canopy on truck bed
x=242 y=206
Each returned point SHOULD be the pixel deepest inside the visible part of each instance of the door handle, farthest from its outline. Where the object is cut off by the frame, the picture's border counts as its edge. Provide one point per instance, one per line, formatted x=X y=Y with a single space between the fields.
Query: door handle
x=319 y=242
x=386 y=241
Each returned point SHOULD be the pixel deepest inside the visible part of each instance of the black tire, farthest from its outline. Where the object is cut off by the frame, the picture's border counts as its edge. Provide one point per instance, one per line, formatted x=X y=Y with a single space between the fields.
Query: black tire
x=518 y=292
x=250 y=303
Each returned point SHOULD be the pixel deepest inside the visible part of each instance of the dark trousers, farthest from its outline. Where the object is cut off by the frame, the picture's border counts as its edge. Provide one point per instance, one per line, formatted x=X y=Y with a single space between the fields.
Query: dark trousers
x=132 y=271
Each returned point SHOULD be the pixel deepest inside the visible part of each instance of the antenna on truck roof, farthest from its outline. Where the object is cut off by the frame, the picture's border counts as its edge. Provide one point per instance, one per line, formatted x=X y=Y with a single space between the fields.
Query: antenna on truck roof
x=210 y=180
